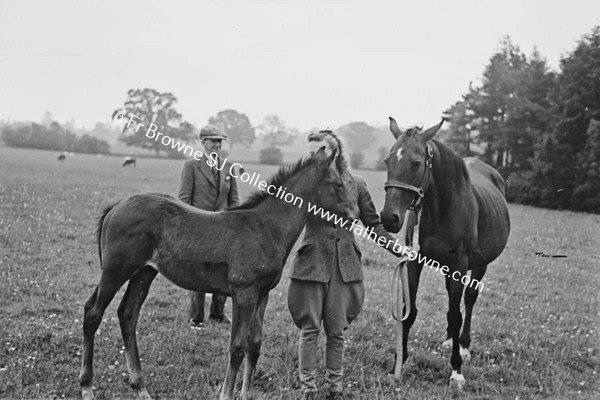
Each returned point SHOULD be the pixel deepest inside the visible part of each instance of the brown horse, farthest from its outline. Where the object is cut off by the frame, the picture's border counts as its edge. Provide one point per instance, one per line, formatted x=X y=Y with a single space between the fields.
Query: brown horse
x=238 y=252
x=464 y=225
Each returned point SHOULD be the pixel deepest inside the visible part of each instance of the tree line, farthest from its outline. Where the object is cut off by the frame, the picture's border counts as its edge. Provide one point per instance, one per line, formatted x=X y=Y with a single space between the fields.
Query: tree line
x=538 y=127
x=52 y=136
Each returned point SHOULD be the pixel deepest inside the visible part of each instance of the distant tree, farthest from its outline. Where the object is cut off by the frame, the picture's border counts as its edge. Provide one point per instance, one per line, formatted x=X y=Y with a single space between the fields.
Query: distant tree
x=53 y=138
x=46 y=119
x=271 y=155
x=586 y=195
x=356 y=159
x=236 y=125
x=505 y=117
x=358 y=135
x=563 y=181
x=91 y=145
x=381 y=154
x=105 y=132
x=274 y=132
x=459 y=134
x=579 y=90
x=153 y=107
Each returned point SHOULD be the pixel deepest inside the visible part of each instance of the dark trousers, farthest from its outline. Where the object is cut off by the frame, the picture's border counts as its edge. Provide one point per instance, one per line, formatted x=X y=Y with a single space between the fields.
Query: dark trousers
x=197 y=307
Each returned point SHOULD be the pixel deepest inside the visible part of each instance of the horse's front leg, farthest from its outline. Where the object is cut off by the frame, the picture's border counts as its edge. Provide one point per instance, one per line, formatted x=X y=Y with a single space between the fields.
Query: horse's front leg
x=253 y=351
x=244 y=311
x=455 y=291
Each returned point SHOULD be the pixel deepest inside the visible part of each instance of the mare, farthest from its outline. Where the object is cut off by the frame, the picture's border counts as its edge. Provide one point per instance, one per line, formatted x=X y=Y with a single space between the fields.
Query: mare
x=239 y=252
x=464 y=224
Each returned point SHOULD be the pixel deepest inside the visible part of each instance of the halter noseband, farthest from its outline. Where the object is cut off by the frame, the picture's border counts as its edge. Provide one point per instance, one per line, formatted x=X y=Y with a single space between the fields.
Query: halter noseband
x=418 y=190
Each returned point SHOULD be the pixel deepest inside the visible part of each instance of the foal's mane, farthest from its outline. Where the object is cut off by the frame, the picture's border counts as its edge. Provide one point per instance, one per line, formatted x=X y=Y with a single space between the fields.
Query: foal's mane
x=280 y=177
x=449 y=171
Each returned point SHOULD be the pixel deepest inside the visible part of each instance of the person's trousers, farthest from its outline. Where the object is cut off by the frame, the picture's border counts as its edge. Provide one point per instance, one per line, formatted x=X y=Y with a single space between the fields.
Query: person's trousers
x=197 y=307
x=335 y=303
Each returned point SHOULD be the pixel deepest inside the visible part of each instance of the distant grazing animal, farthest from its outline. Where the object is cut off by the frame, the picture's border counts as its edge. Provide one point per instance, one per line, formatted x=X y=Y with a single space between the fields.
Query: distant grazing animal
x=129 y=161
x=239 y=252
x=62 y=157
x=464 y=226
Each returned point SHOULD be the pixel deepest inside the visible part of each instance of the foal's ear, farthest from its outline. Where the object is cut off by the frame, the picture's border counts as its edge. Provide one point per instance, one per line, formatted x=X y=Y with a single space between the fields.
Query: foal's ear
x=332 y=157
x=394 y=128
x=430 y=133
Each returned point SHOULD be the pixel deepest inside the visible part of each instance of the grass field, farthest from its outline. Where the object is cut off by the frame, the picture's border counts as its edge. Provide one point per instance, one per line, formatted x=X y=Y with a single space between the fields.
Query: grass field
x=535 y=331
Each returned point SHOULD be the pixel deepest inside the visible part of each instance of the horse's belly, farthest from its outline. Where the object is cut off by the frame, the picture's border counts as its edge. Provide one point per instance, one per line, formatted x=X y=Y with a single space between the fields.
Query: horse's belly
x=203 y=277
x=493 y=226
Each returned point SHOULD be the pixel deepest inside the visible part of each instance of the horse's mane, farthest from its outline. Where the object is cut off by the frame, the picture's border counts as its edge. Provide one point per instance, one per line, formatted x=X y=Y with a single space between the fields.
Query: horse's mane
x=276 y=180
x=449 y=171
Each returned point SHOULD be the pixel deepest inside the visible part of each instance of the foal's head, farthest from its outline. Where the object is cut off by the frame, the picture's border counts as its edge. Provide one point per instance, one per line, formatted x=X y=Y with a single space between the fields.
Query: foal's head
x=333 y=193
x=408 y=172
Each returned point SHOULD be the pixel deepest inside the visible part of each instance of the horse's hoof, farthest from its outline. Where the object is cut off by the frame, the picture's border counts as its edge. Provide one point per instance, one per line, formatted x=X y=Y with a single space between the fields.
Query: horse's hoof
x=447 y=344
x=457 y=383
x=143 y=395
x=87 y=393
x=465 y=353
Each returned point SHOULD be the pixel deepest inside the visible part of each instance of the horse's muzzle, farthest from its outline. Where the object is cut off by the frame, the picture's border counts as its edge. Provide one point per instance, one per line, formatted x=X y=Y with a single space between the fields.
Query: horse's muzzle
x=391 y=221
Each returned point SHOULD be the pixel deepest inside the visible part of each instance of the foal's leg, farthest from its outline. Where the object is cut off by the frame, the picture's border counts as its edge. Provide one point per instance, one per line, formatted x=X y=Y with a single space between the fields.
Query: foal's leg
x=110 y=282
x=455 y=289
x=129 y=311
x=244 y=311
x=471 y=294
x=253 y=351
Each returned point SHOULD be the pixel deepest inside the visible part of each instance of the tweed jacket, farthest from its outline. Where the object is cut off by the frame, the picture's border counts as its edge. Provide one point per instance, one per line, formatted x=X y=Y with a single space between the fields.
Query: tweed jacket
x=199 y=189
x=314 y=260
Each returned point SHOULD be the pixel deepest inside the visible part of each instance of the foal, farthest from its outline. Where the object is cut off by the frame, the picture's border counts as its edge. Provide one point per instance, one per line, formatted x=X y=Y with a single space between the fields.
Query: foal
x=238 y=252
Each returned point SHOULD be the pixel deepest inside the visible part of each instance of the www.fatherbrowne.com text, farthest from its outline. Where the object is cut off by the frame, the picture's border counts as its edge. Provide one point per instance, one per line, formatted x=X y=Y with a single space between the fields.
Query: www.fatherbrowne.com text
x=253 y=179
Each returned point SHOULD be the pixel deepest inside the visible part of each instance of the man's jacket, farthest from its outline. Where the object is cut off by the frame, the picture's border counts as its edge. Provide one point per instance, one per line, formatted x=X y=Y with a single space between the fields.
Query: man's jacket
x=199 y=189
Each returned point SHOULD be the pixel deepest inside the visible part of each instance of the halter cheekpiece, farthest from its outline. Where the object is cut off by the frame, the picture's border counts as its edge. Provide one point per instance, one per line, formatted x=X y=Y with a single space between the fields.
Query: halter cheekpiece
x=418 y=190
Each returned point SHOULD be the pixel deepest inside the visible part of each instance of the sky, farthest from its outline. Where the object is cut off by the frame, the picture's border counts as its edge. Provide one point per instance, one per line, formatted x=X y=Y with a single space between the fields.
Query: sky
x=312 y=63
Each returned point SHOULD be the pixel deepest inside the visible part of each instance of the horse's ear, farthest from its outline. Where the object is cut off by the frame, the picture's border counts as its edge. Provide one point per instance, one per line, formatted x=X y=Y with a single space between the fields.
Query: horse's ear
x=394 y=128
x=430 y=133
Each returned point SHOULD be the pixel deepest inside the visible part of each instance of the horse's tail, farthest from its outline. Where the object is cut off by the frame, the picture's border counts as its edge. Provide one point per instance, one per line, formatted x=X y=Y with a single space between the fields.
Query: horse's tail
x=99 y=228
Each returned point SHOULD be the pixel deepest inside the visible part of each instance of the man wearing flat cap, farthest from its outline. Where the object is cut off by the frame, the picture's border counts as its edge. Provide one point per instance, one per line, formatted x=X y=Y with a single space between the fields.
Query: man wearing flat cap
x=208 y=185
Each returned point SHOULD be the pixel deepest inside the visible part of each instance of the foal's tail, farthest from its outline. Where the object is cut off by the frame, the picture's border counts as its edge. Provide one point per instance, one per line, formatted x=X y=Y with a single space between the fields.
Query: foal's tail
x=99 y=228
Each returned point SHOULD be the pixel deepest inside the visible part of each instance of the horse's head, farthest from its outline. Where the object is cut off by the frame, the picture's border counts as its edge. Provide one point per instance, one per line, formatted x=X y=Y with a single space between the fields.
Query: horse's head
x=332 y=193
x=408 y=172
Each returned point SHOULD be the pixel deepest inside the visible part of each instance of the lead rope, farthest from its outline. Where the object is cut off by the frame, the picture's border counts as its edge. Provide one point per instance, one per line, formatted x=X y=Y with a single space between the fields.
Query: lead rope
x=400 y=289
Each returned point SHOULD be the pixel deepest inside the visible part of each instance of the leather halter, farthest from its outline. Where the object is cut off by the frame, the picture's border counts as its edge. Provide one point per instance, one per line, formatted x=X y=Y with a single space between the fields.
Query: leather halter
x=418 y=190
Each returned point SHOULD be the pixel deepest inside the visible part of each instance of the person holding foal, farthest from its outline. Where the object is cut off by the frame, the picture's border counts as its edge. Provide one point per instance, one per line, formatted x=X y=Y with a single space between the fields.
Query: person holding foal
x=208 y=185
x=327 y=278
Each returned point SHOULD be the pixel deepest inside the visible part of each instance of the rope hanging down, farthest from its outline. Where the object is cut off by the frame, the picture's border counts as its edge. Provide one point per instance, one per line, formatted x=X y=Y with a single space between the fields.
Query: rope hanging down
x=401 y=306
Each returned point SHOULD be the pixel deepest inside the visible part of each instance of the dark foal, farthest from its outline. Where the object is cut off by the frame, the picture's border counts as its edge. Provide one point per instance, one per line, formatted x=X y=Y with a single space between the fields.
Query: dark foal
x=238 y=252
x=464 y=225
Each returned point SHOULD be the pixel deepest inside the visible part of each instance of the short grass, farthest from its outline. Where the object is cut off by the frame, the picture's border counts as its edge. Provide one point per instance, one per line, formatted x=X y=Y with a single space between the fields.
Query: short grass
x=535 y=332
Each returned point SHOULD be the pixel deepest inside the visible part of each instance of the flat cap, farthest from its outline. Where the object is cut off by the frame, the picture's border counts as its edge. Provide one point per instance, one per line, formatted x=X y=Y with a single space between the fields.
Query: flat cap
x=212 y=132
